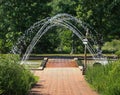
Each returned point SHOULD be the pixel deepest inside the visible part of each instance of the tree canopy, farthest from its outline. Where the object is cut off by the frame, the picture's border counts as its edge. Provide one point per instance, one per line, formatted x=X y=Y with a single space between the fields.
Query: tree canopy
x=16 y=16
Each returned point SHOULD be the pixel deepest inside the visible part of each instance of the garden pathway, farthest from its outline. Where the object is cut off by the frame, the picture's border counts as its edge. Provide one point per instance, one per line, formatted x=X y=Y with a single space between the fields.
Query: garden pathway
x=61 y=81
x=61 y=63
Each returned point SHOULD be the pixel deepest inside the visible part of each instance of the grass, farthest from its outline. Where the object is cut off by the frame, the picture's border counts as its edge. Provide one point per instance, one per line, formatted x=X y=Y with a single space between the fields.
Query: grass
x=14 y=78
x=67 y=54
x=105 y=78
x=32 y=64
x=58 y=54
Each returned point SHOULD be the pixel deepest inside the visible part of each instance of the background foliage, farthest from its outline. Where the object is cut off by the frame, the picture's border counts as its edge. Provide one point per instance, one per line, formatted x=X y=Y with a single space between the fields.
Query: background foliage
x=105 y=78
x=14 y=78
x=16 y=16
x=112 y=46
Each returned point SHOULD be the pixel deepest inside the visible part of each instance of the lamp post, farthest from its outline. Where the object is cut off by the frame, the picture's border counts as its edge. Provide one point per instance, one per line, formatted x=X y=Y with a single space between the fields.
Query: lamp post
x=85 y=42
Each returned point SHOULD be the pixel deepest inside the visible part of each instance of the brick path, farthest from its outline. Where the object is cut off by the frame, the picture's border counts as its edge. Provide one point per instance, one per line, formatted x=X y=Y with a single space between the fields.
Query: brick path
x=61 y=81
x=61 y=63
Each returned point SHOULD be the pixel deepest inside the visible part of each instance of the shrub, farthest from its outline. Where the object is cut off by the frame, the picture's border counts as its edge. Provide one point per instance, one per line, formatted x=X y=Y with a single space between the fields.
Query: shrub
x=105 y=78
x=80 y=63
x=118 y=53
x=97 y=64
x=14 y=78
x=111 y=47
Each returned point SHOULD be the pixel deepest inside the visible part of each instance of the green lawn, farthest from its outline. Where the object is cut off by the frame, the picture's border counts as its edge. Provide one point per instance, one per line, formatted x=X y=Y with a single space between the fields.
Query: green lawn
x=32 y=64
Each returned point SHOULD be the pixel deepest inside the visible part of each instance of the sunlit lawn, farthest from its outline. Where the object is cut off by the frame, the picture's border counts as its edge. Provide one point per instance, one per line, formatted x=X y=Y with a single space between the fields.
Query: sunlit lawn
x=68 y=54
x=32 y=64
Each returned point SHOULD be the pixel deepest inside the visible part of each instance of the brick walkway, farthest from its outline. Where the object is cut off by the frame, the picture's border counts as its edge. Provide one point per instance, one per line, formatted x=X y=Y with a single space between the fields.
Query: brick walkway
x=61 y=81
x=61 y=63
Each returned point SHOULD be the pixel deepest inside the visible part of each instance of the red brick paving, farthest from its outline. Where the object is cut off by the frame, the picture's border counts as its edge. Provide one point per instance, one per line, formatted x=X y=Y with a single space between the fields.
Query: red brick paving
x=61 y=81
x=61 y=63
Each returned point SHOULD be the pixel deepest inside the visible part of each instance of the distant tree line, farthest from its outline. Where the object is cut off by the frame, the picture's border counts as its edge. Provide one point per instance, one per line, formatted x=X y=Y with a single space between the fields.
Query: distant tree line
x=16 y=16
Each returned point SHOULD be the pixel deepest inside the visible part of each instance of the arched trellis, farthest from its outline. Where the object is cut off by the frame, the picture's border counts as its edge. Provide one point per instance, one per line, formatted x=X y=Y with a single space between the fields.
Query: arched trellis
x=44 y=25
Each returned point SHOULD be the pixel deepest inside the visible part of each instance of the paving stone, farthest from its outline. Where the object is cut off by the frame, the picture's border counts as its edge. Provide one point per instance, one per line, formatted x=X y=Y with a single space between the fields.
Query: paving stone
x=61 y=81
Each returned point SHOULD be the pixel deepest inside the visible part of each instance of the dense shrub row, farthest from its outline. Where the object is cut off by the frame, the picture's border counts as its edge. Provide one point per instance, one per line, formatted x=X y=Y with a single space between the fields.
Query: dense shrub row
x=105 y=79
x=14 y=78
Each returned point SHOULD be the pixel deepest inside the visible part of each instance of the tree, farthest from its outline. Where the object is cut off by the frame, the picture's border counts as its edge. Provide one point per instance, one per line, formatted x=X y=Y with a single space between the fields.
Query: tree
x=48 y=43
x=103 y=16
x=67 y=6
x=63 y=6
x=18 y=15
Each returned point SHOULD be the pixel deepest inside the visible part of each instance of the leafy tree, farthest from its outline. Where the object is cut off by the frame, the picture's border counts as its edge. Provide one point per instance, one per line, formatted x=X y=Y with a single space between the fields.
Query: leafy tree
x=63 y=6
x=103 y=15
x=48 y=43
x=17 y=16
x=69 y=43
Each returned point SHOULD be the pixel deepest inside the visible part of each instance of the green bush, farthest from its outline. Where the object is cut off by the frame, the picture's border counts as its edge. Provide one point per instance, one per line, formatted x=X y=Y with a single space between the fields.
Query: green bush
x=118 y=53
x=105 y=78
x=97 y=64
x=111 y=47
x=80 y=63
x=14 y=78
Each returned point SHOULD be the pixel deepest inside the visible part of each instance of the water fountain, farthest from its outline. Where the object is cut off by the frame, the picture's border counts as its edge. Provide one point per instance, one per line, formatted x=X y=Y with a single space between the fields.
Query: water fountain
x=38 y=29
